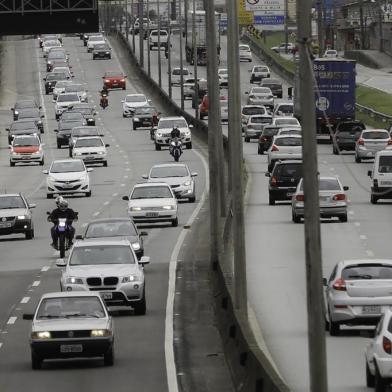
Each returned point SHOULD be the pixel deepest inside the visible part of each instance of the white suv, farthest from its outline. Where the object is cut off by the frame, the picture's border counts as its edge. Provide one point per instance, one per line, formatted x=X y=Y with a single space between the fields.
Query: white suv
x=90 y=150
x=64 y=100
x=163 y=37
x=162 y=134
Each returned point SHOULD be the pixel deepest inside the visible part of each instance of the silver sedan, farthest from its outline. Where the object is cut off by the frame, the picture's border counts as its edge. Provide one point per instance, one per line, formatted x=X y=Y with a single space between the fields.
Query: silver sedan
x=370 y=141
x=332 y=196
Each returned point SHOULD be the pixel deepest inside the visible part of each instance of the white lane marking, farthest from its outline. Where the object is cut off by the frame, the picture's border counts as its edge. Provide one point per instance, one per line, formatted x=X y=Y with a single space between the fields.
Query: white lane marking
x=363 y=237
x=357 y=224
x=351 y=212
x=96 y=213
x=106 y=203
x=115 y=194
x=45 y=268
x=117 y=145
x=125 y=177
x=11 y=320
x=122 y=184
x=370 y=253
x=1 y=345
x=36 y=283
x=332 y=168
x=25 y=300
x=127 y=169
x=169 y=330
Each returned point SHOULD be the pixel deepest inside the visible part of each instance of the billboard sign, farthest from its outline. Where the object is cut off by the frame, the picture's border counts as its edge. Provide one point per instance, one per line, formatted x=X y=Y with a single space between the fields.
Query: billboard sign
x=244 y=17
x=265 y=6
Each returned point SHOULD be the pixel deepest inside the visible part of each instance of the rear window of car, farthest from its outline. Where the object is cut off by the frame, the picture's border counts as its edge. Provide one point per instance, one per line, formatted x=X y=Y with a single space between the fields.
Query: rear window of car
x=260 y=120
x=375 y=135
x=270 y=131
x=288 y=141
x=250 y=111
x=385 y=164
x=260 y=69
x=351 y=133
x=329 y=184
x=271 y=81
x=292 y=170
x=177 y=71
x=285 y=108
x=367 y=271
x=348 y=126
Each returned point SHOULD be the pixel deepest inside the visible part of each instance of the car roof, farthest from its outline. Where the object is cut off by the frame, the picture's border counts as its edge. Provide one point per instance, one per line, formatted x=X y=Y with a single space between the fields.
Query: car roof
x=135 y=95
x=288 y=135
x=150 y=184
x=9 y=194
x=67 y=160
x=172 y=118
x=365 y=261
x=289 y=162
x=104 y=220
x=169 y=165
x=70 y=294
x=121 y=241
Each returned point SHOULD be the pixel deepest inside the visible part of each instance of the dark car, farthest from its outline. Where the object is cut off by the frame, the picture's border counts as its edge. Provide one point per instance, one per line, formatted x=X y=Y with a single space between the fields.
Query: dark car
x=32 y=114
x=52 y=78
x=346 y=135
x=24 y=104
x=113 y=228
x=56 y=58
x=22 y=127
x=15 y=215
x=82 y=132
x=274 y=84
x=145 y=116
x=265 y=139
x=283 y=180
x=86 y=109
x=64 y=131
x=102 y=51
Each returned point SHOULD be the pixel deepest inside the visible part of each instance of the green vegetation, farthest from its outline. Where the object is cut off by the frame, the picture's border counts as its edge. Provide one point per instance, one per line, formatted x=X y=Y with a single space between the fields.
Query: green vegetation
x=372 y=98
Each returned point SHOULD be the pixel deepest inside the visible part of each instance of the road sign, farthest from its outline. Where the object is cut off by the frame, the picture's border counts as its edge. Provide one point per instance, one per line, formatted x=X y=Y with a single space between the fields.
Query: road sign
x=269 y=19
x=244 y=17
x=265 y=5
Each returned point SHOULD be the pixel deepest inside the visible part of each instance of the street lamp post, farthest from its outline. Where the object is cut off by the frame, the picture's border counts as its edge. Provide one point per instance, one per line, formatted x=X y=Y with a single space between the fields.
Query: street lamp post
x=181 y=55
x=148 y=46
x=196 y=85
x=133 y=29
x=159 y=46
x=169 y=51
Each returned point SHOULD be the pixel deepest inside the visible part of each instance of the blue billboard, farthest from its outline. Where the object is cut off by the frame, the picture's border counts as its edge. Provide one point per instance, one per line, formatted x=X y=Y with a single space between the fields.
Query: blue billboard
x=269 y=19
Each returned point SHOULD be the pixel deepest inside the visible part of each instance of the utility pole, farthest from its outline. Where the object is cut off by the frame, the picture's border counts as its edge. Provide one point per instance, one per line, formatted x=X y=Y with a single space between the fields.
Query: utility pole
x=126 y=20
x=181 y=55
x=286 y=27
x=315 y=303
x=361 y=24
x=133 y=29
x=320 y=27
x=159 y=46
x=196 y=84
x=169 y=70
x=141 y=34
x=380 y=19
x=236 y=160
x=148 y=46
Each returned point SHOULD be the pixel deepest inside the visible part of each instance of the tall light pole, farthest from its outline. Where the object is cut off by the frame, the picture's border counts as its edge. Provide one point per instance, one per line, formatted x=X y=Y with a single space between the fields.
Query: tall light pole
x=148 y=43
x=133 y=29
x=286 y=27
x=315 y=301
x=141 y=34
x=126 y=20
x=169 y=70
x=320 y=27
x=181 y=55
x=196 y=85
x=159 y=46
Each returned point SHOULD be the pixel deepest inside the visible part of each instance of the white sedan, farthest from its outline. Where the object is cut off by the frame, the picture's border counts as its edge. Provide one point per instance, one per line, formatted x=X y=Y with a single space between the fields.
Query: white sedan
x=284 y=147
x=152 y=202
x=91 y=150
x=133 y=101
x=67 y=176
x=245 y=53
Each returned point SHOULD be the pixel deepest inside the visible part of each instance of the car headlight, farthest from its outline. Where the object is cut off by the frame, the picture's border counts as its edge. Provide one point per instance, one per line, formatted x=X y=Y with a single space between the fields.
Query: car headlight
x=187 y=133
x=50 y=178
x=187 y=183
x=100 y=153
x=135 y=209
x=167 y=207
x=107 y=80
x=100 y=333
x=73 y=280
x=136 y=246
x=159 y=134
x=41 y=335
x=49 y=62
x=107 y=52
x=136 y=119
x=16 y=112
x=130 y=278
x=21 y=216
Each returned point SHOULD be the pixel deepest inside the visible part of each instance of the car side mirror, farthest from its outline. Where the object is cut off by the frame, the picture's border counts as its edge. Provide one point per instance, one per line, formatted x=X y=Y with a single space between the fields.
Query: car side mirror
x=325 y=282
x=44 y=79
x=143 y=233
x=42 y=116
x=32 y=205
x=370 y=173
x=79 y=237
x=45 y=171
x=89 y=169
x=144 y=260
x=39 y=107
x=125 y=198
x=346 y=188
x=145 y=176
x=7 y=129
x=28 y=316
x=61 y=263
x=12 y=109
x=53 y=100
x=267 y=174
x=107 y=145
x=55 y=130
x=193 y=174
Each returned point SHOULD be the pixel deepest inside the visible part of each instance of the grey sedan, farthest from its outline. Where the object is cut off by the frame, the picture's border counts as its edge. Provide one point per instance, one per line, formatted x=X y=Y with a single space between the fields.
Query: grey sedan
x=370 y=141
x=333 y=199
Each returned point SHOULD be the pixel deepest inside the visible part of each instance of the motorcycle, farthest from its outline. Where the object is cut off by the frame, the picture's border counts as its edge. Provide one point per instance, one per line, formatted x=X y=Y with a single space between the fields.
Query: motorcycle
x=176 y=149
x=62 y=227
x=104 y=102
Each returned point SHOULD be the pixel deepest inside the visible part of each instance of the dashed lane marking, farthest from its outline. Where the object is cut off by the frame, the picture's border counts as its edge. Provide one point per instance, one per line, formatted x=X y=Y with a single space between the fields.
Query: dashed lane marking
x=122 y=185
x=96 y=213
x=357 y=224
x=370 y=253
x=1 y=345
x=45 y=268
x=115 y=194
x=106 y=203
x=25 y=300
x=12 y=320
x=363 y=237
x=36 y=283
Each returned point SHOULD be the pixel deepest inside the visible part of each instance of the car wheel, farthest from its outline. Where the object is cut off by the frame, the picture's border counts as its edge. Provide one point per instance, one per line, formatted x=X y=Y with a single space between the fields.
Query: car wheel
x=189 y=146
x=343 y=218
x=271 y=201
x=93 y=57
x=88 y=194
x=49 y=196
x=124 y=116
x=123 y=87
x=295 y=218
x=140 y=308
x=251 y=80
x=247 y=139
x=260 y=151
x=134 y=127
x=270 y=167
x=357 y=159
x=109 y=57
x=29 y=235
x=105 y=164
x=42 y=162
x=12 y=164
x=335 y=150
x=36 y=362
x=380 y=384
x=175 y=222
x=157 y=147
x=370 y=379
x=373 y=199
x=58 y=145
x=192 y=199
x=334 y=328
x=108 y=357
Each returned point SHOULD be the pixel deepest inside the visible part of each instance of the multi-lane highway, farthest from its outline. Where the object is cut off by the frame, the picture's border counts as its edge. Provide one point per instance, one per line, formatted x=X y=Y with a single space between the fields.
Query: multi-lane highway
x=276 y=257
x=144 y=344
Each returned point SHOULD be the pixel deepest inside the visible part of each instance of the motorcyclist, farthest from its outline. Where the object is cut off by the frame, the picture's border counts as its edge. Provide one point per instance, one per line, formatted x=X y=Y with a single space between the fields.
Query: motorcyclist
x=104 y=96
x=175 y=133
x=62 y=211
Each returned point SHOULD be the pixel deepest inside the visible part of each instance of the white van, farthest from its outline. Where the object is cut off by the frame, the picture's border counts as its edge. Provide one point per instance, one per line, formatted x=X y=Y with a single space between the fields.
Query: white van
x=381 y=176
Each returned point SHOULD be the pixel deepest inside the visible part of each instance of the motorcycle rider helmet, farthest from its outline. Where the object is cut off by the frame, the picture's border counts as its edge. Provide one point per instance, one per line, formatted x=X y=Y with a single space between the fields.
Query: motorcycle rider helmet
x=58 y=200
x=63 y=205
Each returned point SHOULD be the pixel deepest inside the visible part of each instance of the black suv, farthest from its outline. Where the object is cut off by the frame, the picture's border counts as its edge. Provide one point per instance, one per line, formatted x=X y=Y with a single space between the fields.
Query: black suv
x=274 y=84
x=64 y=131
x=346 y=135
x=283 y=180
x=265 y=139
x=15 y=215
x=51 y=79
x=102 y=51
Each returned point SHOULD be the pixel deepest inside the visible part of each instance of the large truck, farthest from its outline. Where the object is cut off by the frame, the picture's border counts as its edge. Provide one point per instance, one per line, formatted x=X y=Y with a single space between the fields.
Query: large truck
x=196 y=40
x=334 y=93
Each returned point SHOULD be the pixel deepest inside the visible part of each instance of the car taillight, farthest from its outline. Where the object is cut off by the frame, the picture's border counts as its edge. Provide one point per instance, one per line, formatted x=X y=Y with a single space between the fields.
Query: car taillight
x=389 y=142
x=122 y=80
x=361 y=142
x=300 y=197
x=274 y=148
x=274 y=182
x=386 y=345
x=339 y=196
x=339 y=285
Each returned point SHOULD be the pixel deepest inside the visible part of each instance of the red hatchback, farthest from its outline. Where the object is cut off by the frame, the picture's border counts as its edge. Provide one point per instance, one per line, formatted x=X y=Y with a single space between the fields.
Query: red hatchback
x=114 y=79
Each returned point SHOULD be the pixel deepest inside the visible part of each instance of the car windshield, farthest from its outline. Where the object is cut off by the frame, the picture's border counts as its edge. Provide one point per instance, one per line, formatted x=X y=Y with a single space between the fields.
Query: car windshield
x=52 y=43
x=260 y=69
x=286 y=108
x=244 y=47
x=57 y=54
x=367 y=271
x=67 y=167
x=261 y=90
x=25 y=141
x=151 y=192
x=288 y=141
x=99 y=38
x=375 y=135
x=67 y=98
x=260 y=120
x=102 y=46
x=113 y=75
x=62 y=84
x=271 y=81
x=179 y=123
x=69 y=116
x=87 y=142
x=70 y=307
x=270 y=131
x=101 y=254
x=288 y=170
x=23 y=125
x=135 y=98
x=8 y=202
x=74 y=88
x=248 y=111
x=169 y=171
x=177 y=71
x=286 y=121
x=111 y=229
x=56 y=76
x=68 y=125
x=144 y=110
x=385 y=164
x=348 y=126
x=29 y=113
x=82 y=110
x=350 y=133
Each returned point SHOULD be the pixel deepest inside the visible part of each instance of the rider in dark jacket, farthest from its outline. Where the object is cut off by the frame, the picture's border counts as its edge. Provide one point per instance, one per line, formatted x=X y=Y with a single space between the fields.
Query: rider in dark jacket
x=62 y=211
x=175 y=133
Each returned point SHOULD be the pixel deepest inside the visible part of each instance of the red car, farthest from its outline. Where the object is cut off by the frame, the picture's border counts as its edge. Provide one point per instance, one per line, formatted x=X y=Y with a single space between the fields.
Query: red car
x=114 y=79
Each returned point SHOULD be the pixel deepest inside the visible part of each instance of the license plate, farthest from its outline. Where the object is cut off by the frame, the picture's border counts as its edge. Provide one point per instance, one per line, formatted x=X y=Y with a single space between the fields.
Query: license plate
x=67 y=185
x=106 y=295
x=5 y=224
x=26 y=157
x=151 y=214
x=371 y=309
x=71 y=348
